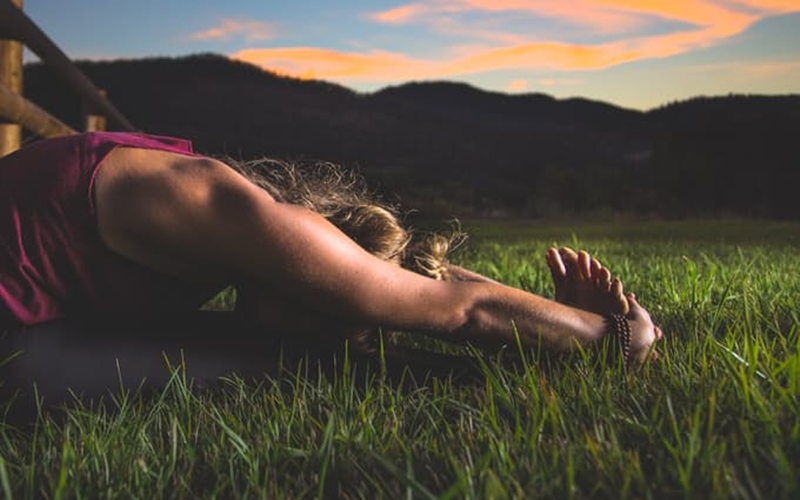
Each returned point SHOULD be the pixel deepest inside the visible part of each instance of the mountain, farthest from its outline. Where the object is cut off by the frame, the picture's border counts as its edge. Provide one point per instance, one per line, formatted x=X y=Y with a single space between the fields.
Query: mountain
x=453 y=148
x=739 y=153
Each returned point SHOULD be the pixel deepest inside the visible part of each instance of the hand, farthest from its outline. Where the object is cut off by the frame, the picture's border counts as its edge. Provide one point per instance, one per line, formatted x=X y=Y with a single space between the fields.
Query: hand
x=644 y=334
x=582 y=282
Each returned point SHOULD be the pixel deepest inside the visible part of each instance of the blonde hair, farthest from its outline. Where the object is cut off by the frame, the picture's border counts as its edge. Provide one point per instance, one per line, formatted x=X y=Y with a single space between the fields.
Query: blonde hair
x=341 y=196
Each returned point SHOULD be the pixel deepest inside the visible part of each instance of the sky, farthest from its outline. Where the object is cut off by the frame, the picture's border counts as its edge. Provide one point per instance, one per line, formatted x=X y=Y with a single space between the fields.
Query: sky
x=637 y=54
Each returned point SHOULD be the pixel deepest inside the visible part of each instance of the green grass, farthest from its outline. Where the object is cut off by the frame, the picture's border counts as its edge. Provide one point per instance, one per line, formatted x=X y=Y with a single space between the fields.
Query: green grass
x=718 y=416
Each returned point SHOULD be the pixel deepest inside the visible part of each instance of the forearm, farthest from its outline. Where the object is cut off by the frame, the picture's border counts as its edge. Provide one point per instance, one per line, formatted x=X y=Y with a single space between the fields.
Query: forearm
x=537 y=320
x=495 y=312
x=458 y=273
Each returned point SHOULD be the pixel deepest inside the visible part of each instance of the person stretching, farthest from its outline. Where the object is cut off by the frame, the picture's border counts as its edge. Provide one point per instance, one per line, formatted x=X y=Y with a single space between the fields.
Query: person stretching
x=127 y=225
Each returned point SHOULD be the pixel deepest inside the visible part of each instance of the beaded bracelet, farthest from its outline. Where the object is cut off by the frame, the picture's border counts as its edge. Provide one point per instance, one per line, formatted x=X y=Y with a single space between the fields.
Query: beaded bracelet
x=619 y=326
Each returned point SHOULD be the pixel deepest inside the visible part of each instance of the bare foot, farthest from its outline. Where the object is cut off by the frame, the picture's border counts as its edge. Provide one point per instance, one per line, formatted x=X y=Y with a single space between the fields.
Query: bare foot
x=582 y=281
x=644 y=333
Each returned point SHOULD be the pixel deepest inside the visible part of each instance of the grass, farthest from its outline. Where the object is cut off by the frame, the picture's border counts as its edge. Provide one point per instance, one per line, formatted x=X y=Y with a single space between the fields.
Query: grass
x=718 y=416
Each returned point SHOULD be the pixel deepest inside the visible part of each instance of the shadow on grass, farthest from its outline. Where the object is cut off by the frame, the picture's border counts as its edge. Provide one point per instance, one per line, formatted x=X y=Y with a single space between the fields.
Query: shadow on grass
x=59 y=364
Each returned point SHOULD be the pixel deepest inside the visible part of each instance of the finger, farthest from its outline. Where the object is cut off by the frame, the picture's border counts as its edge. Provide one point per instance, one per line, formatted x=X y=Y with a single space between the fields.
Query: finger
x=659 y=333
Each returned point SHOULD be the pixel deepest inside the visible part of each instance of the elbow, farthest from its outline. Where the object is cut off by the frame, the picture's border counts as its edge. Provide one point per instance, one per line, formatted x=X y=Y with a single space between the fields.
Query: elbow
x=466 y=320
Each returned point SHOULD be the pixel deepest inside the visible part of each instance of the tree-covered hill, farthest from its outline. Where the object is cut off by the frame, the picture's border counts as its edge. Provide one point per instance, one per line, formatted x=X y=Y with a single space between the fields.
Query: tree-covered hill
x=454 y=149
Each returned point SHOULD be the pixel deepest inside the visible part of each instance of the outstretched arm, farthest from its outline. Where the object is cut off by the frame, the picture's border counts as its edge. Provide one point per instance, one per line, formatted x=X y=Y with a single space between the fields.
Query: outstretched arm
x=458 y=273
x=198 y=219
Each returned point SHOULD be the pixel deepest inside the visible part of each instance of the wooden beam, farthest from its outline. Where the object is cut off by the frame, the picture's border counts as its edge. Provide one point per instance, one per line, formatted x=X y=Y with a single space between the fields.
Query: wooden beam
x=94 y=121
x=15 y=24
x=16 y=108
x=11 y=79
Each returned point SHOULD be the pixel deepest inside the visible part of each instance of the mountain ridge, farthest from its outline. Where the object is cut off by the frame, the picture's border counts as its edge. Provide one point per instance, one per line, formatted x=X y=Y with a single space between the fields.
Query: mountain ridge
x=456 y=147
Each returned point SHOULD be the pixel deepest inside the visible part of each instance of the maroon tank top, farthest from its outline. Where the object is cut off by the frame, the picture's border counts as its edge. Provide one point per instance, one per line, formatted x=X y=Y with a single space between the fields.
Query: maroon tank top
x=52 y=261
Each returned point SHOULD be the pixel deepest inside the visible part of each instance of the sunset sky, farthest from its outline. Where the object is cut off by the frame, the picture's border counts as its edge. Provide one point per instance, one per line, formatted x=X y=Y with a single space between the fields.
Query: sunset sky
x=634 y=53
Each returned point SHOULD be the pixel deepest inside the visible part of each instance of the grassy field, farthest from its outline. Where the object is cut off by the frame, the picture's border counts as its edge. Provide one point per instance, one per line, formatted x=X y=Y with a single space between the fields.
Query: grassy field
x=718 y=416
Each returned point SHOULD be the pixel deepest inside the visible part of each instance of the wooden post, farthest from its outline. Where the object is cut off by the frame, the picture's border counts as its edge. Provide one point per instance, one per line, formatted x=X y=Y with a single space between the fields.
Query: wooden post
x=15 y=24
x=94 y=122
x=11 y=77
x=17 y=109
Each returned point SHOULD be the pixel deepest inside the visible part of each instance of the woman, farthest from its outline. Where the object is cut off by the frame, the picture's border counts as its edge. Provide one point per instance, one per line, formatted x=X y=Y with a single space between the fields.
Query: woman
x=125 y=225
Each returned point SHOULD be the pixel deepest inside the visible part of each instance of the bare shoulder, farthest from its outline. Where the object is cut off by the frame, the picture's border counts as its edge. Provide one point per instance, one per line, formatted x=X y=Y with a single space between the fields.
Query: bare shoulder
x=129 y=169
x=148 y=202
x=137 y=175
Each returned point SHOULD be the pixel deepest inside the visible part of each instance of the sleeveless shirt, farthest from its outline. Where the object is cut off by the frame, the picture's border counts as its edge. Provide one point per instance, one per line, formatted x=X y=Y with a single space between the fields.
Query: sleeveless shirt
x=53 y=263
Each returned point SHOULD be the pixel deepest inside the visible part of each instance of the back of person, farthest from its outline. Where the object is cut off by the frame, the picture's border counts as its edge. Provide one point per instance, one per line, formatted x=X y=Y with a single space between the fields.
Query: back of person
x=53 y=263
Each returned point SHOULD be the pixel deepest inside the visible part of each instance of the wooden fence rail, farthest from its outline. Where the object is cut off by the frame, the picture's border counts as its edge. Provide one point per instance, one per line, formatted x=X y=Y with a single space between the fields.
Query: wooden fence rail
x=17 y=29
x=17 y=109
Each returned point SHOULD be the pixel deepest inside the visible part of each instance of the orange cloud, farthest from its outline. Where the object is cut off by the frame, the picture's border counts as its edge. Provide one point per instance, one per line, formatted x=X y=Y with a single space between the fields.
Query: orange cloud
x=400 y=15
x=316 y=63
x=543 y=55
x=602 y=15
x=771 y=6
x=377 y=66
x=553 y=82
x=709 y=22
x=252 y=31
x=696 y=12
x=581 y=12
x=518 y=86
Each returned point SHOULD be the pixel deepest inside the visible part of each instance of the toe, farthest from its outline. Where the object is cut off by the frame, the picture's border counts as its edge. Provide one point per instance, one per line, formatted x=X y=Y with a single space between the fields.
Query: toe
x=568 y=255
x=605 y=279
x=584 y=265
x=618 y=295
x=555 y=263
x=596 y=268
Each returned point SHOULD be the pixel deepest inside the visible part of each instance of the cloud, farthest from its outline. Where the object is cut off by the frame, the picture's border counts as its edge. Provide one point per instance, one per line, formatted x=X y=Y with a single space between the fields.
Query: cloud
x=382 y=66
x=702 y=23
x=587 y=13
x=558 y=82
x=252 y=31
x=400 y=15
x=542 y=55
x=581 y=12
x=519 y=85
x=318 y=63
x=771 y=6
x=698 y=13
x=447 y=26
x=604 y=16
